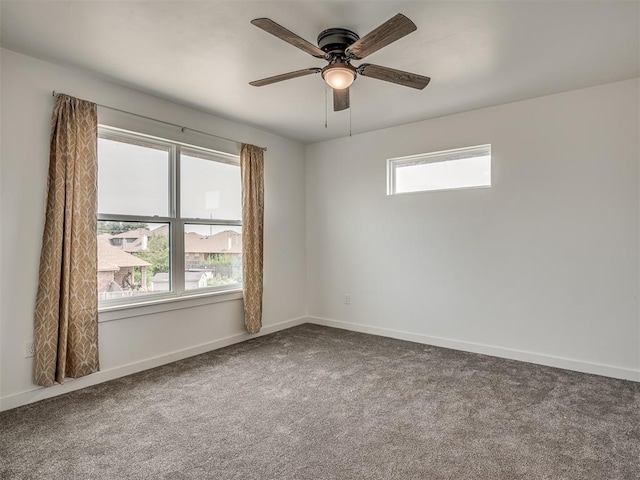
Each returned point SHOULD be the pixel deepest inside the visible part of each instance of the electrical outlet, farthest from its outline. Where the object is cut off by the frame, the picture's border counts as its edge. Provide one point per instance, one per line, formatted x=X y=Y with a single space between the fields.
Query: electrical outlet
x=29 y=350
x=347 y=299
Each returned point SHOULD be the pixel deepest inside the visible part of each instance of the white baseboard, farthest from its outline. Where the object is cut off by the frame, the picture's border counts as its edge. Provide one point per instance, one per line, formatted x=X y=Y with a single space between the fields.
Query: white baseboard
x=523 y=356
x=40 y=393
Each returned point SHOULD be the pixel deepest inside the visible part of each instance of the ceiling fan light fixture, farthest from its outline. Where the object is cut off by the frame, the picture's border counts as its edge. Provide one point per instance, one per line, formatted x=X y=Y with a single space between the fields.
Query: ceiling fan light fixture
x=339 y=77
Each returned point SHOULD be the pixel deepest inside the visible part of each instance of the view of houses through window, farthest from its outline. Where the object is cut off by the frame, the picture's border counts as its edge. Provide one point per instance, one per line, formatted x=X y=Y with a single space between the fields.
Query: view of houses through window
x=133 y=258
x=142 y=205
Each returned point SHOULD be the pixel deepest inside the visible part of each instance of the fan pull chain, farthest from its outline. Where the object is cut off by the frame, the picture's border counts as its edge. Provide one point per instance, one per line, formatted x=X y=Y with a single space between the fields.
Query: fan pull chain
x=349 y=121
x=325 y=105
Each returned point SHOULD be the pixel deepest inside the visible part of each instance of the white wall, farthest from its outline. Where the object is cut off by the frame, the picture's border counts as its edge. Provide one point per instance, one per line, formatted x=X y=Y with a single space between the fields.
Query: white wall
x=129 y=344
x=543 y=266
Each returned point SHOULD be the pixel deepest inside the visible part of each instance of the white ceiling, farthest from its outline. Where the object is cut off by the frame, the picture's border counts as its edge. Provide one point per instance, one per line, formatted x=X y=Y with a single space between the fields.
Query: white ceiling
x=204 y=54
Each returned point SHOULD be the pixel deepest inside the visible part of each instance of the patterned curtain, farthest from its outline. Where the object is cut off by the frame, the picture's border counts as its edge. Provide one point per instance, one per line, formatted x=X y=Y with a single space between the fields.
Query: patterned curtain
x=66 y=317
x=252 y=171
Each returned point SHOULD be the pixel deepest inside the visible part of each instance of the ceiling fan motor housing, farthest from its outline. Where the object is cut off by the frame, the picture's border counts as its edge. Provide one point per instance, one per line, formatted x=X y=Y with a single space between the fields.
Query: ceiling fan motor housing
x=336 y=40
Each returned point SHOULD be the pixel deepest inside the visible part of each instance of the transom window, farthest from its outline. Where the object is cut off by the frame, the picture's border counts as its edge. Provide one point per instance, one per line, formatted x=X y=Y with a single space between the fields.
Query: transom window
x=169 y=219
x=468 y=167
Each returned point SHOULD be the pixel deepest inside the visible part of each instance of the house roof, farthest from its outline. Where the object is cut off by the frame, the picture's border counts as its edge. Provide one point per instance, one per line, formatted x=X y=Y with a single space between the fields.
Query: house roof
x=135 y=239
x=112 y=258
x=106 y=266
x=162 y=230
x=133 y=245
x=137 y=233
x=227 y=241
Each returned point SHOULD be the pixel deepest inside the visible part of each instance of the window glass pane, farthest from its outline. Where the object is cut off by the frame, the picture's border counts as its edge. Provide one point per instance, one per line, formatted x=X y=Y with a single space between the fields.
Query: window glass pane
x=460 y=168
x=210 y=187
x=133 y=259
x=213 y=256
x=133 y=178
x=470 y=172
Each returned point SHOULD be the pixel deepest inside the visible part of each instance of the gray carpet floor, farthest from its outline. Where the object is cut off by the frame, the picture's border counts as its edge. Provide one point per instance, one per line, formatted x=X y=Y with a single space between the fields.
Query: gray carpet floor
x=319 y=403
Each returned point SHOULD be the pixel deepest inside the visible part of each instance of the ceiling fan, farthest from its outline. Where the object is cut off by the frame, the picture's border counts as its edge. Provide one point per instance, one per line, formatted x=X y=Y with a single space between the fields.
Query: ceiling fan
x=339 y=47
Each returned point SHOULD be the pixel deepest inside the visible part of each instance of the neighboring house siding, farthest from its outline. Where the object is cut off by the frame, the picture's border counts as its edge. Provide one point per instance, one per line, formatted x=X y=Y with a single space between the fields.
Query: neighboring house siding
x=104 y=280
x=113 y=264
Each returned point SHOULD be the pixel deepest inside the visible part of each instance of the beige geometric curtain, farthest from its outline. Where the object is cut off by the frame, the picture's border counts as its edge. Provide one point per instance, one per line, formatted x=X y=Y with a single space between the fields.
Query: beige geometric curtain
x=252 y=171
x=66 y=317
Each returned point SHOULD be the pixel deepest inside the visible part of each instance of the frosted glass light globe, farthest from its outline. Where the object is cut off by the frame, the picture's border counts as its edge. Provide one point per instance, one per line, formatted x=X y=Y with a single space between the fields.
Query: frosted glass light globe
x=339 y=77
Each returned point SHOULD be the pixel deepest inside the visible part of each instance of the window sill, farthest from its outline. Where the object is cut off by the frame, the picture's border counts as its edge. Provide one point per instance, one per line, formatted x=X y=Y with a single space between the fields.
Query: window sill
x=119 y=312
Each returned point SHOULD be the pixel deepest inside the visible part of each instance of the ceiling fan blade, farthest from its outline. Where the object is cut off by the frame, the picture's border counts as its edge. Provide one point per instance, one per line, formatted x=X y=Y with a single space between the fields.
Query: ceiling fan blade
x=284 y=76
x=340 y=99
x=387 y=74
x=390 y=31
x=282 y=33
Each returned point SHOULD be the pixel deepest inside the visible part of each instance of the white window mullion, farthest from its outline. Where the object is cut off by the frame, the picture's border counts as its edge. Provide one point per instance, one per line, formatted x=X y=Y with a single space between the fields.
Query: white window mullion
x=178 y=228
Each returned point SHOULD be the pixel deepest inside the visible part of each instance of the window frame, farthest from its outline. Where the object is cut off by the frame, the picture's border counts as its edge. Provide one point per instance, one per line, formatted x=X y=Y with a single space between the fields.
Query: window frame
x=436 y=157
x=175 y=222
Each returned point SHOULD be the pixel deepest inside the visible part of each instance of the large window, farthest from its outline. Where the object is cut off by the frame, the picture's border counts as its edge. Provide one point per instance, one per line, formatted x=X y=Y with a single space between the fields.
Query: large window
x=169 y=219
x=451 y=169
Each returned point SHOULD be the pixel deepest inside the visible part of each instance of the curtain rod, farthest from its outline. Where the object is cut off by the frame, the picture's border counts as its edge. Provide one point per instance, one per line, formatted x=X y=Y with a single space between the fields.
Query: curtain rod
x=166 y=123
